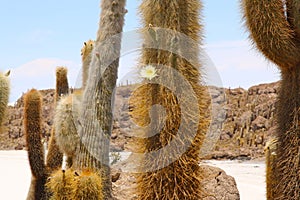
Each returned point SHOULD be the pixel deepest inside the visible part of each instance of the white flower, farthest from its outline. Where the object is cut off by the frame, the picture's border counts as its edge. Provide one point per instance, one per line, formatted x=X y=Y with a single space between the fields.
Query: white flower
x=148 y=72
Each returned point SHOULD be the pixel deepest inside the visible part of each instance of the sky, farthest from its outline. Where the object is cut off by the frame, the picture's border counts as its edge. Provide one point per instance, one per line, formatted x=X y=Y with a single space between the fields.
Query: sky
x=37 y=36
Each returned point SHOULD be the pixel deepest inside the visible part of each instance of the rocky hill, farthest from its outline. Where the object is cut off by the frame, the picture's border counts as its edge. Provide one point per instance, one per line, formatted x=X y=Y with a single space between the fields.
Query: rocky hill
x=242 y=121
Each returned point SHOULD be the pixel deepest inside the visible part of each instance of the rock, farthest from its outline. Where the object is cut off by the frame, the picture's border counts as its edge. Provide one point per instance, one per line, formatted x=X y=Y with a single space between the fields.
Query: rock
x=217 y=184
x=114 y=136
x=115 y=174
x=259 y=123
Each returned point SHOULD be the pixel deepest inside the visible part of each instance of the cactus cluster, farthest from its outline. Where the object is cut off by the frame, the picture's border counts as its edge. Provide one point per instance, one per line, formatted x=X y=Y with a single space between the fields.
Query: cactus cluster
x=55 y=156
x=68 y=184
x=274 y=28
x=61 y=184
x=4 y=94
x=40 y=168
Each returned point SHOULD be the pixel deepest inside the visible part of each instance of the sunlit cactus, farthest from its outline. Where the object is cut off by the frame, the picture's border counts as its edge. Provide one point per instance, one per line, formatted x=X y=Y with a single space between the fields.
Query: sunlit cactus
x=32 y=127
x=89 y=186
x=274 y=28
x=55 y=156
x=173 y=34
x=62 y=184
x=4 y=95
x=66 y=124
x=86 y=54
x=270 y=153
x=96 y=117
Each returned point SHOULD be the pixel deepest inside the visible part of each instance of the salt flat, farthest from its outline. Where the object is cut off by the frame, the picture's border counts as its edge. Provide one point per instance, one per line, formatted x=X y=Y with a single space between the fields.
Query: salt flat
x=15 y=176
x=249 y=176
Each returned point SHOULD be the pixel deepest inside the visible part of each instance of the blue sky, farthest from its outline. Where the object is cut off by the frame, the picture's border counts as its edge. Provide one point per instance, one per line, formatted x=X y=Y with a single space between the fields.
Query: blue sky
x=37 y=36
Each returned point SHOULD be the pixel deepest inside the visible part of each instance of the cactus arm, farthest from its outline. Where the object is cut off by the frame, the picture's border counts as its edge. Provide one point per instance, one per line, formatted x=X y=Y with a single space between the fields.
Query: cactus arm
x=32 y=127
x=55 y=156
x=65 y=120
x=86 y=53
x=271 y=31
x=293 y=7
x=4 y=95
x=62 y=85
x=277 y=36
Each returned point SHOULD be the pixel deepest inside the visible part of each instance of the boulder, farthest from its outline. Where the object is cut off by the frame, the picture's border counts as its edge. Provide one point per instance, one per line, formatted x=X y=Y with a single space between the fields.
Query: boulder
x=216 y=183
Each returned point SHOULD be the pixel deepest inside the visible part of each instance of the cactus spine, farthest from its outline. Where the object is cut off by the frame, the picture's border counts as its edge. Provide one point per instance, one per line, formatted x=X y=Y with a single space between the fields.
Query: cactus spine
x=274 y=28
x=4 y=94
x=180 y=179
x=32 y=126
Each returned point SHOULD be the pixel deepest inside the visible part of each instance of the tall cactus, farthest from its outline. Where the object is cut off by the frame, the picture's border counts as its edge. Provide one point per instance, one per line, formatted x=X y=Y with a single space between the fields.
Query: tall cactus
x=55 y=156
x=4 y=94
x=96 y=118
x=174 y=34
x=32 y=126
x=274 y=28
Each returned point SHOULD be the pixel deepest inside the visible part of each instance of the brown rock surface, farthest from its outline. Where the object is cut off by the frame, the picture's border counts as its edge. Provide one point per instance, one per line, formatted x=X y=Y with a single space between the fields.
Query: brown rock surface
x=217 y=184
x=243 y=121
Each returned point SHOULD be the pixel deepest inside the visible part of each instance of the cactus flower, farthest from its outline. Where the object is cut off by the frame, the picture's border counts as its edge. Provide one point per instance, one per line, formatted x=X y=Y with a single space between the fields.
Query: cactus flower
x=148 y=72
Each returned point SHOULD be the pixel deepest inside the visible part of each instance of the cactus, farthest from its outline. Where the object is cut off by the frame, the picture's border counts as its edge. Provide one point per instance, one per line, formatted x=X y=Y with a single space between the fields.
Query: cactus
x=61 y=184
x=89 y=186
x=55 y=156
x=67 y=111
x=4 y=94
x=32 y=127
x=68 y=184
x=274 y=28
x=65 y=120
x=32 y=122
x=86 y=53
x=96 y=116
x=270 y=153
x=180 y=179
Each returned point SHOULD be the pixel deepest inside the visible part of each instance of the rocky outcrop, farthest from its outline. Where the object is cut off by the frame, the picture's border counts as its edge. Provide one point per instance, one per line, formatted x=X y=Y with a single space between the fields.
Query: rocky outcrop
x=243 y=121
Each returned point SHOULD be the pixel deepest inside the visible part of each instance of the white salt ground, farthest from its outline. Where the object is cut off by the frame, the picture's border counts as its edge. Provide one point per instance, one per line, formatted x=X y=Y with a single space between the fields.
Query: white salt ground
x=249 y=176
x=15 y=176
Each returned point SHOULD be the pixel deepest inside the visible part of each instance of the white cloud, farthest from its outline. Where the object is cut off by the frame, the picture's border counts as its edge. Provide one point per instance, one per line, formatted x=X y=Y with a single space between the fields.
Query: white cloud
x=39 y=74
x=239 y=64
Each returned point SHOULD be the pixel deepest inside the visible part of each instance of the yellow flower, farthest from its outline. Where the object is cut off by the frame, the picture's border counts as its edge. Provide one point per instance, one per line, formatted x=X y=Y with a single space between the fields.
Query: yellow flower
x=148 y=72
